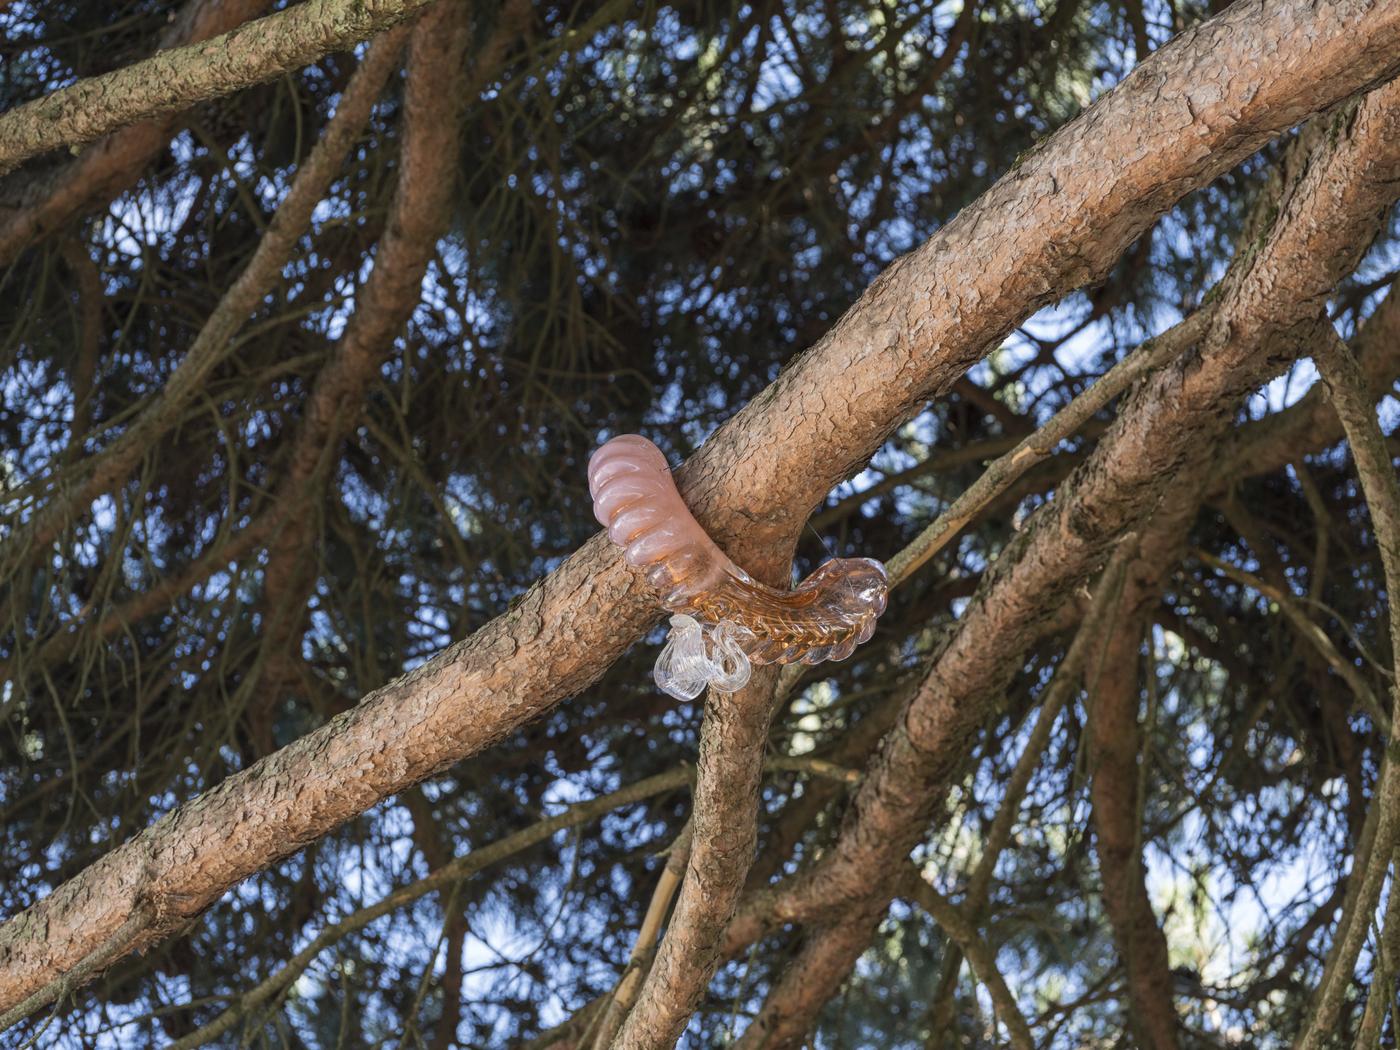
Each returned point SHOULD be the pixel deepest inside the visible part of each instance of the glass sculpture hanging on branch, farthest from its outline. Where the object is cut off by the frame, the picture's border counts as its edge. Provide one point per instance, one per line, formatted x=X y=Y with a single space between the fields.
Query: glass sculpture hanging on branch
x=724 y=619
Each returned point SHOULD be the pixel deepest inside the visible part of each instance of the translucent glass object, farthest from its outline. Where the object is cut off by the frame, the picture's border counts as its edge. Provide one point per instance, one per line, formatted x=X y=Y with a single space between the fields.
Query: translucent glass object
x=696 y=655
x=823 y=618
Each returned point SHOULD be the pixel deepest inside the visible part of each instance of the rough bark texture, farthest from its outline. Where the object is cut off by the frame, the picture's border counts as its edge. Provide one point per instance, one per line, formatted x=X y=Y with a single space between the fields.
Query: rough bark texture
x=1271 y=309
x=1055 y=223
x=728 y=776
x=107 y=167
x=179 y=78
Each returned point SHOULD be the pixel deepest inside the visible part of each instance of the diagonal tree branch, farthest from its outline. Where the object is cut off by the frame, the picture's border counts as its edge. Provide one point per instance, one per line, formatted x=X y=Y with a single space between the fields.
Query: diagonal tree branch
x=1058 y=221
x=1272 y=304
x=961 y=928
x=107 y=167
x=176 y=79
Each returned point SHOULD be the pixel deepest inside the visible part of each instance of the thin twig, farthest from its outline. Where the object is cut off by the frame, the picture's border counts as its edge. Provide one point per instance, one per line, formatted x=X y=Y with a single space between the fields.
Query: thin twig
x=645 y=947
x=454 y=871
x=1311 y=632
x=1002 y=473
x=962 y=929
x=1348 y=392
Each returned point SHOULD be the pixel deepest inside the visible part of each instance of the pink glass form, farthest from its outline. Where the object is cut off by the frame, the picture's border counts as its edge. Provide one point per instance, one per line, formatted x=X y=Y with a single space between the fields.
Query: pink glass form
x=725 y=618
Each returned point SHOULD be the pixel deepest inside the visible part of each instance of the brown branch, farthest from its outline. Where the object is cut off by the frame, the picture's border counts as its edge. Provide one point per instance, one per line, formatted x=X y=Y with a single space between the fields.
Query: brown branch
x=1190 y=112
x=1350 y=395
x=961 y=928
x=1115 y=743
x=101 y=957
x=1270 y=304
x=107 y=167
x=1380 y=996
x=215 y=339
x=728 y=777
x=180 y=77
x=436 y=94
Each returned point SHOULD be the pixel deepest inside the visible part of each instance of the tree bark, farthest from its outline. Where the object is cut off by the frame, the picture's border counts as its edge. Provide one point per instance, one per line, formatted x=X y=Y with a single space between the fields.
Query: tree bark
x=173 y=80
x=1055 y=223
x=1271 y=308
x=107 y=167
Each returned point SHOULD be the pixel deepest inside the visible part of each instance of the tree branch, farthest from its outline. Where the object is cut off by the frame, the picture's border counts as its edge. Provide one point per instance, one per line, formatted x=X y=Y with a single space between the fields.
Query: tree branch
x=728 y=777
x=1115 y=748
x=107 y=167
x=1193 y=110
x=178 y=78
x=1350 y=396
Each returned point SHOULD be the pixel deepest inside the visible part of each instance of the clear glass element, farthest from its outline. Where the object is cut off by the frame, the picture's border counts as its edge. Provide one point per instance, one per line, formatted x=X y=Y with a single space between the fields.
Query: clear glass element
x=697 y=655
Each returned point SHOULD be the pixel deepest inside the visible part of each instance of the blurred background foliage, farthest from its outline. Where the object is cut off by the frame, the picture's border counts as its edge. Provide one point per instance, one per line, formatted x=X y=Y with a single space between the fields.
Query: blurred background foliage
x=657 y=206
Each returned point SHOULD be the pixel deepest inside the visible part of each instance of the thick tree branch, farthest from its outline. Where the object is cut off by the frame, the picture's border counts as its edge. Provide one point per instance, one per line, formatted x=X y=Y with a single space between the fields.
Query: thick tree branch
x=1058 y=221
x=728 y=775
x=178 y=78
x=1270 y=307
x=1380 y=996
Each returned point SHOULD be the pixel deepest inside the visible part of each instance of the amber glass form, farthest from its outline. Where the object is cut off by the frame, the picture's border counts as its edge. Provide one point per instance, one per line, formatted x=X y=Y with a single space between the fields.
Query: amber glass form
x=823 y=618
